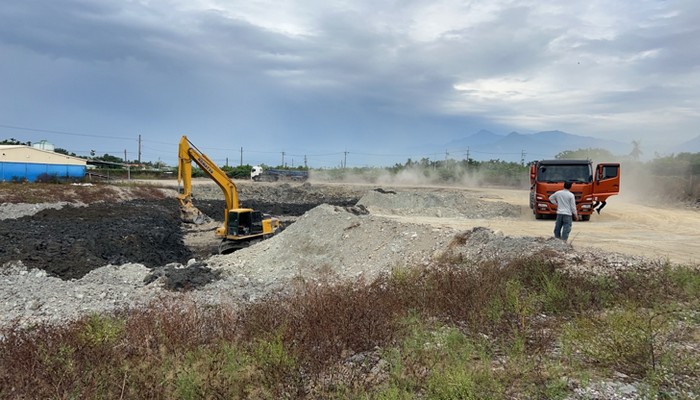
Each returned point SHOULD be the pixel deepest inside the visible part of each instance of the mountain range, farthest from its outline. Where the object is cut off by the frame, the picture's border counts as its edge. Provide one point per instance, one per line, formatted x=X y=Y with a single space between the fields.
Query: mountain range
x=691 y=146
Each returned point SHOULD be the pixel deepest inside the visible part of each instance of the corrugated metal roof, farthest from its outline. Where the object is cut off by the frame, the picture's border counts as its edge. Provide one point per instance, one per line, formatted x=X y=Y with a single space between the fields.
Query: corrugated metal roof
x=11 y=153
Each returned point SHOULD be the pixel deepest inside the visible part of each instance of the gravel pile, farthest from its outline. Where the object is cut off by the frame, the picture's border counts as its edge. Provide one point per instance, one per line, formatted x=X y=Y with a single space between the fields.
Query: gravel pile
x=444 y=204
x=483 y=244
x=330 y=243
x=19 y=210
x=31 y=296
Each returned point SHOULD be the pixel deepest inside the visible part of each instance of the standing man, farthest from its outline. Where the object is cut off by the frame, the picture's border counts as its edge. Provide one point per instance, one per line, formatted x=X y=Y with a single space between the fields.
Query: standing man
x=566 y=211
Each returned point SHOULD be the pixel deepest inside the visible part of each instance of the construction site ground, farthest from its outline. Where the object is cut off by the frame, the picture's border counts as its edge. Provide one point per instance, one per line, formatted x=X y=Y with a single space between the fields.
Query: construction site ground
x=62 y=258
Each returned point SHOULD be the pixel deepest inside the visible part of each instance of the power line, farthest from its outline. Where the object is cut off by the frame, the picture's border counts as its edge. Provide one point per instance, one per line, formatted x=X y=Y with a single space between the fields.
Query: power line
x=306 y=156
x=65 y=132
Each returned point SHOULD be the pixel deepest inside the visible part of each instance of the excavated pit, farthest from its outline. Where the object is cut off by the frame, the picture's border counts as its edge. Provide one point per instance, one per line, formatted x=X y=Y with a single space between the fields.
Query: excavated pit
x=70 y=241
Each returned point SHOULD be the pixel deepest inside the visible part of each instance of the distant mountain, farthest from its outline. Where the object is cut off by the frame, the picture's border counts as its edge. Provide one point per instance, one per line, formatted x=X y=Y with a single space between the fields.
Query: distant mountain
x=481 y=138
x=691 y=146
x=485 y=145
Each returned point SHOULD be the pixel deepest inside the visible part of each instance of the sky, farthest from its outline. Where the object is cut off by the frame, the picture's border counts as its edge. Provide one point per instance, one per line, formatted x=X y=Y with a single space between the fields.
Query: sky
x=331 y=83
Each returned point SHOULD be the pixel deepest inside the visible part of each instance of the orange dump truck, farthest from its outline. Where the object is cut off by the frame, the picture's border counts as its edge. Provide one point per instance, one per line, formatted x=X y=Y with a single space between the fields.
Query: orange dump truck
x=590 y=187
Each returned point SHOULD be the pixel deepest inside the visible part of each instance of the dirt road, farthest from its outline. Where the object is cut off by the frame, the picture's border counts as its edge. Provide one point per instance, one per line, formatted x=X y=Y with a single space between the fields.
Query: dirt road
x=624 y=226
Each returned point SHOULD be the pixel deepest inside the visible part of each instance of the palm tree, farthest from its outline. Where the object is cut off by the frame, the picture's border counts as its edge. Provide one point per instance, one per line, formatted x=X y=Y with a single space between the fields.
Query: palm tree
x=636 y=151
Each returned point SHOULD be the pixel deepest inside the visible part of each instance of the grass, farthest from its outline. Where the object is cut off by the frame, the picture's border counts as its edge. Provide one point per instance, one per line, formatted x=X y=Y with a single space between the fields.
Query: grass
x=524 y=329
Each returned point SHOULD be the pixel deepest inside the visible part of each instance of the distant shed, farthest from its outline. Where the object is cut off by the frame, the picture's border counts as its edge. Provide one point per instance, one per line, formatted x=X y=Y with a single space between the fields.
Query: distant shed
x=24 y=162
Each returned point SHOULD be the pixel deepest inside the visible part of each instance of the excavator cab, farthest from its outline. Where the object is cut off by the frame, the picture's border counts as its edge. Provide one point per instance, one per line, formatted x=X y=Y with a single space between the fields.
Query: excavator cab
x=245 y=227
x=244 y=222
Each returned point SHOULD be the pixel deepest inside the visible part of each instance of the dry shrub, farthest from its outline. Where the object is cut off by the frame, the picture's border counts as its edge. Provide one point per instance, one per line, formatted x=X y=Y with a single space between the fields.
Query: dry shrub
x=320 y=323
x=275 y=347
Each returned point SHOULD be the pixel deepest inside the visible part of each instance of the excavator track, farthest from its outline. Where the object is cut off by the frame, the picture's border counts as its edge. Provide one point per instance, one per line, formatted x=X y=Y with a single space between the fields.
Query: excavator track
x=229 y=246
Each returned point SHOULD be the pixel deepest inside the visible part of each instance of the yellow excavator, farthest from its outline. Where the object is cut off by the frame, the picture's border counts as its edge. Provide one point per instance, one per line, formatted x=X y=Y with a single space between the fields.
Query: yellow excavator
x=242 y=226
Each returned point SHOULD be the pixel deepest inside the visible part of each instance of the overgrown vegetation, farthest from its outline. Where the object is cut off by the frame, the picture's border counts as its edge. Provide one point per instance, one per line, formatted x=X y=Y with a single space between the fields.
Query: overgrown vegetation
x=523 y=329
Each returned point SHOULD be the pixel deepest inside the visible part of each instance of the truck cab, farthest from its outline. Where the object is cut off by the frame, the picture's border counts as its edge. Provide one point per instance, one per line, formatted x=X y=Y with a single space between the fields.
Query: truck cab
x=589 y=186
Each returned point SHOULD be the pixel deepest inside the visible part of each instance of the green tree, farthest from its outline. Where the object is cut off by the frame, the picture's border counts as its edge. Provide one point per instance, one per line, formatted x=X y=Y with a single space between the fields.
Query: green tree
x=238 y=172
x=63 y=151
x=15 y=142
x=586 y=154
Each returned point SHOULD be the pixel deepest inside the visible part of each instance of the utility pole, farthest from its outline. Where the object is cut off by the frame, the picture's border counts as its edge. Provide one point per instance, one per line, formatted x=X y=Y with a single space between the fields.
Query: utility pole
x=305 y=164
x=226 y=162
x=345 y=159
x=139 y=148
x=128 y=170
x=467 y=155
x=241 y=156
x=522 y=157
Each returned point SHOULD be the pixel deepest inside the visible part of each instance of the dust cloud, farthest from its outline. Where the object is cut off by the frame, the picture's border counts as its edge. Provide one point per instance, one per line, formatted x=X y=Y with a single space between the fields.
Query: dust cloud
x=415 y=176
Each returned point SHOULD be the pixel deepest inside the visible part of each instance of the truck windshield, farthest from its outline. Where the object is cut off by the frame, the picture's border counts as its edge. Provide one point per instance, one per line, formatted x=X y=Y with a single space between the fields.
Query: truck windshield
x=562 y=173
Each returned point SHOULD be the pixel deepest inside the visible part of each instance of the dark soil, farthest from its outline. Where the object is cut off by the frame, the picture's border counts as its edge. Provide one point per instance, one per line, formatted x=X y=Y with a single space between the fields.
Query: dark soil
x=70 y=242
x=183 y=279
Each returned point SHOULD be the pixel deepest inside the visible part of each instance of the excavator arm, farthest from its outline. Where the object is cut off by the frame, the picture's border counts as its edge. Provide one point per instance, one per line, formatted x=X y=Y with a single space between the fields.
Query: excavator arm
x=187 y=153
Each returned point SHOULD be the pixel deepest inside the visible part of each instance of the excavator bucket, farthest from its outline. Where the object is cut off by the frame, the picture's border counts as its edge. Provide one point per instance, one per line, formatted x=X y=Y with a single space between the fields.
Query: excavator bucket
x=192 y=215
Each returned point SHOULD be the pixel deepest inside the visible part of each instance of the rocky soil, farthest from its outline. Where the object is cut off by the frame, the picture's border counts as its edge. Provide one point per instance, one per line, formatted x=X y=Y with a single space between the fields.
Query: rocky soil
x=61 y=260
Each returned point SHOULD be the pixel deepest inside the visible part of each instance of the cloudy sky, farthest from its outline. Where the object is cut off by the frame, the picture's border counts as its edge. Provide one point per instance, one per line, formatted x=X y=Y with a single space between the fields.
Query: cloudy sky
x=380 y=80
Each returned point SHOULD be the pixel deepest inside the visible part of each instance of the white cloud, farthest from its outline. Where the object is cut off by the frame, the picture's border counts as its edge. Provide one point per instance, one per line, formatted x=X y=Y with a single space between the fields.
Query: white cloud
x=382 y=69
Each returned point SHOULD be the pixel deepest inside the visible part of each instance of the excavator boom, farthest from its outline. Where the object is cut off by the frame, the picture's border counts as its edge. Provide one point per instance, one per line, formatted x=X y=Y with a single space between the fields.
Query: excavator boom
x=187 y=153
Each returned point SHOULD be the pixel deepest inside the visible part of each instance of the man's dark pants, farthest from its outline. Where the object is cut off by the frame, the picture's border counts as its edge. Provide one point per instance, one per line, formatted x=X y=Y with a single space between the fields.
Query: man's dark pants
x=562 y=227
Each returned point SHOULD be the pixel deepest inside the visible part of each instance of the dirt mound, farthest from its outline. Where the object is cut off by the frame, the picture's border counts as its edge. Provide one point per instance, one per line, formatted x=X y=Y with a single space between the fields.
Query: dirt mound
x=276 y=193
x=485 y=245
x=215 y=208
x=70 y=242
x=434 y=203
x=331 y=242
x=14 y=211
